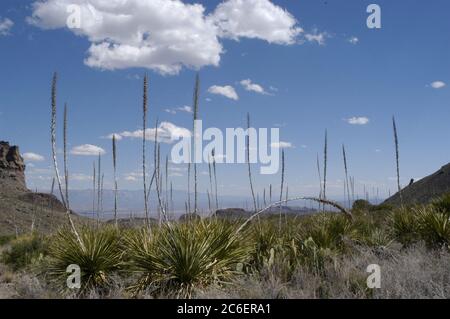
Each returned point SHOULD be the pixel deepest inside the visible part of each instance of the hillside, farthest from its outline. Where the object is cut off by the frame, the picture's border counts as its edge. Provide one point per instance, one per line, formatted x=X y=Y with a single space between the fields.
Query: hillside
x=20 y=209
x=424 y=190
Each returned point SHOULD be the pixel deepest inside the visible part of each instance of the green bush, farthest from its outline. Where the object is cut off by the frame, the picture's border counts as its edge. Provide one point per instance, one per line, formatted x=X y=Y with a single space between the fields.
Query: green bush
x=377 y=237
x=179 y=257
x=329 y=231
x=98 y=257
x=442 y=204
x=405 y=226
x=434 y=226
x=313 y=256
x=25 y=251
x=275 y=250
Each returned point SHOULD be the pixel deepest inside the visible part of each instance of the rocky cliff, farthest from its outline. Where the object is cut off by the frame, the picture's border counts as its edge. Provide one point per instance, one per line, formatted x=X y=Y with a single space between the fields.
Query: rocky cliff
x=21 y=210
x=12 y=169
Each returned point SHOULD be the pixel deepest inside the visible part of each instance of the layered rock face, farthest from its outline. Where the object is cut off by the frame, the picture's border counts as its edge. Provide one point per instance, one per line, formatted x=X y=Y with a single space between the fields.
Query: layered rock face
x=12 y=169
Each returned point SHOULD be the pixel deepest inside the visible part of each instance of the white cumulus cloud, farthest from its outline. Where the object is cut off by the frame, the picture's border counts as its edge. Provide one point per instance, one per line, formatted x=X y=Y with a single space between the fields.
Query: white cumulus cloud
x=437 y=84
x=258 y=19
x=5 y=26
x=227 y=91
x=253 y=87
x=87 y=150
x=167 y=133
x=170 y=111
x=360 y=120
x=156 y=34
x=185 y=108
x=316 y=36
x=164 y=35
x=33 y=157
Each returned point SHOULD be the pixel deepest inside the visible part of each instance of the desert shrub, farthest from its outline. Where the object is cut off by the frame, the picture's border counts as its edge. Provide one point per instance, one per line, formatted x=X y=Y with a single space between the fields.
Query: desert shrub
x=308 y=242
x=329 y=231
x=98 y=257
x=25 y=251
x=278 y=249
x=5 y=239
x=404 y=226
x=265 y=237
x=377 y=237
x=314 y=257
x=434 y=226
x=178 y=257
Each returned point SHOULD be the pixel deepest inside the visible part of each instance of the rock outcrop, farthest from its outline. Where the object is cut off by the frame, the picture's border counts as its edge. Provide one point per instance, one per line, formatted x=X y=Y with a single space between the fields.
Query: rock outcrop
x=424 y=190
x=12 y=169
x=232 y=213
x=22 y=210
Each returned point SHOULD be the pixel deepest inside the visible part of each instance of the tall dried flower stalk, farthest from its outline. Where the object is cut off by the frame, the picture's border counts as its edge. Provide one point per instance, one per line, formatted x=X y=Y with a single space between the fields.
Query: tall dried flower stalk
x=94 y=177
x=248 y=162
x=325 y=160
x=54 y=157
x=210 y=174
x=157 y=156
x=213 y=153
x=320 y=179
x=114 y=153
x=209 y=201
x=270 y=193
x=195 y=118
x=167 y=182
x=101 y=192
x=397 y=160
x=264 y=197
x=144 y=132
x=53 y=138
x=99 y=187
x=189 y=186
x=344 y=155
x=282 y=185
x=66 y=167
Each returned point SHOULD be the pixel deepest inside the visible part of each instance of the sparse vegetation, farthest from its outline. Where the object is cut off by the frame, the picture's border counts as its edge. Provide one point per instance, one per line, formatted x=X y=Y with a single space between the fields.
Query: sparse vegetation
x=24 y=251
x=316 y=256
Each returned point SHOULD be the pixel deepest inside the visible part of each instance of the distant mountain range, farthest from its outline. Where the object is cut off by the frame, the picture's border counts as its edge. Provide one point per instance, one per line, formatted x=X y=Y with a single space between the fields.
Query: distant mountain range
x=130 y=202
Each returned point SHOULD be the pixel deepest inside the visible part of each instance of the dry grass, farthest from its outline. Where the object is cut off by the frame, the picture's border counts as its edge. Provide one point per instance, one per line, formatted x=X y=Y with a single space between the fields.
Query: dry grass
x=412 y=273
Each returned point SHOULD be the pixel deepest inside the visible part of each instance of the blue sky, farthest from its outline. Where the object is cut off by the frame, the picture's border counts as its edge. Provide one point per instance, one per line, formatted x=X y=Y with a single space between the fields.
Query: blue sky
x=315 y=79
